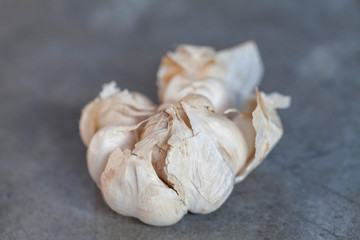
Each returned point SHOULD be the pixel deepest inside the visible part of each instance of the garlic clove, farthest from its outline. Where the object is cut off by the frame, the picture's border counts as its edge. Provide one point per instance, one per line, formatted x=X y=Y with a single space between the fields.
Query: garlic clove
x=205 y=178
x=268 y=128
x=229 y=139
x=192 y=58
x=185 y=72
x=244 y=122
x=210 y=88
x=131 y=187
x=113 y=107
x=103 y=143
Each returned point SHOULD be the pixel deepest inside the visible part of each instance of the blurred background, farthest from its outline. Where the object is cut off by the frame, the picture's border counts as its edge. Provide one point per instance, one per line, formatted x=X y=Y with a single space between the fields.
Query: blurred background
x=55 y=56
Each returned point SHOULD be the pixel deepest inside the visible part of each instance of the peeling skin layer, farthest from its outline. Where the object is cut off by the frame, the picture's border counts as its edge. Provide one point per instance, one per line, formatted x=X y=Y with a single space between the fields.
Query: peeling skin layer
x=267 y=126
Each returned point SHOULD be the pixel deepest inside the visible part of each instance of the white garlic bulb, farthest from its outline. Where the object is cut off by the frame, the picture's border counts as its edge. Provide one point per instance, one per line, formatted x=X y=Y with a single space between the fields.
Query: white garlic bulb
x=156 y=165
x=225 y=77
x=113 y=107
x=196 y=153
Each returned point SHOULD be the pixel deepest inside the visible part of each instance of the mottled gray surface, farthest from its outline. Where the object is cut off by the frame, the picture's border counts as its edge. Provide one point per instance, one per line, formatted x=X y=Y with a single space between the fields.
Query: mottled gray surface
x=55 y=55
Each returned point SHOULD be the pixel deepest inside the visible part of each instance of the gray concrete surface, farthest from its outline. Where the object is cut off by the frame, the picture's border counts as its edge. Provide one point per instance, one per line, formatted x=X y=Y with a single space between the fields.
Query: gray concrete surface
x=55 y=55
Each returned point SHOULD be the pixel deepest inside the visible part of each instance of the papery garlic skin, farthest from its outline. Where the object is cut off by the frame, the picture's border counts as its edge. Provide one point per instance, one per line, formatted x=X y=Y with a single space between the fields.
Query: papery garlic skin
x=225 y=77
x=244 y=70
x=113 y=107
x=267 y=128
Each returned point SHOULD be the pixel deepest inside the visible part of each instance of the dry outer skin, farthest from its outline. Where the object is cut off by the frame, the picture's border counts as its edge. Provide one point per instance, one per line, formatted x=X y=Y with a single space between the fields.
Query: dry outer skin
x=266 y=127
x=156 y=165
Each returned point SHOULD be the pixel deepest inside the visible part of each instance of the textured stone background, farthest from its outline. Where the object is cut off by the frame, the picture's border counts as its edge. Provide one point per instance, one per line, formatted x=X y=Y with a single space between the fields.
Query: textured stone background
x=55 y=55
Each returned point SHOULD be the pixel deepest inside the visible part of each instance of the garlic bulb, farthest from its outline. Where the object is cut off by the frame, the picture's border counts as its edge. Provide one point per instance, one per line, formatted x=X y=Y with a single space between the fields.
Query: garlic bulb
x=186 y=155
x=188 y=152
x=225 y=77
x=114 y=107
